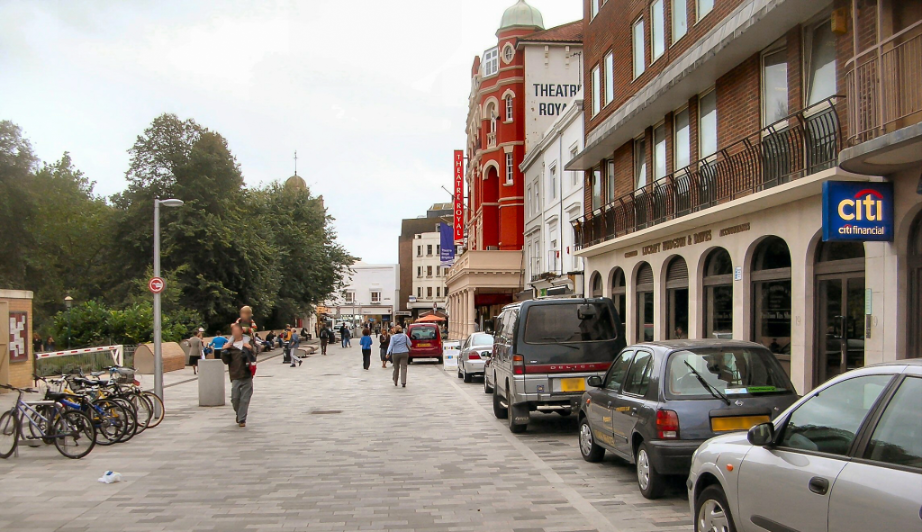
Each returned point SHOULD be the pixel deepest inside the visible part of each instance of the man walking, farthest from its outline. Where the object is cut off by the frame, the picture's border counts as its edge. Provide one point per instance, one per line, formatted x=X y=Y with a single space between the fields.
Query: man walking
x=294 y=344
x=399 y=349
x=241 y=361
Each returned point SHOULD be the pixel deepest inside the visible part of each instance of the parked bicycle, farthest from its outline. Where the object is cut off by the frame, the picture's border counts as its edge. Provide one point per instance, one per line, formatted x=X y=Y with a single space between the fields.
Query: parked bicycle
x=71 y=431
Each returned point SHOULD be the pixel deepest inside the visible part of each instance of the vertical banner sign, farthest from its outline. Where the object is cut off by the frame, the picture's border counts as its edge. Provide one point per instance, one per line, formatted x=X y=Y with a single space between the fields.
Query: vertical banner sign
x=458 y=192
x=447 y=241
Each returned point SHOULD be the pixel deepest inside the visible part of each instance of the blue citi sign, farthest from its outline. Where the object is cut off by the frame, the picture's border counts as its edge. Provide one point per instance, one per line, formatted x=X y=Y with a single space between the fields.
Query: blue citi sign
x=857 y=211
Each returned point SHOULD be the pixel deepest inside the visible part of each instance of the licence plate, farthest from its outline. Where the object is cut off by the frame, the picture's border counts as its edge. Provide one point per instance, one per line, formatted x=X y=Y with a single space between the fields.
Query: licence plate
x=572 y=385
x=728 y=424
x=424 y=345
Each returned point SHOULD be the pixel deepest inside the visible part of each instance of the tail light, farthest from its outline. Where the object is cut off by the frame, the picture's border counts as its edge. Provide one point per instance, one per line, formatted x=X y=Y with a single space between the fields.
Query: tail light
x=473 y=356
x=137 y=382
x=667 y=425
x=518 y=365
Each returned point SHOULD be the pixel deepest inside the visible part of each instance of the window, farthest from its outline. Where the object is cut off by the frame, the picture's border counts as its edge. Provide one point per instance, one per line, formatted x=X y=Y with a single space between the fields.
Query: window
x=638 y=378
x=438 y=249
x=596 y=177
x=718 y=295
x=732 y=370
x=644 y=290
x=704 y=7
x=419 y=251
x=350 y=297
x=574 y=176
x=820 y=49
x=375 y=296
x=428 y=271
x=829 y=421
x=537 y=198
x=771 y=295
x=677 y=299
x=419 y=291
x=510 y=168
x=774 y=86
x=619 y=295
x=596 y=91
x=429 y=292
x=552 y=256
x=639 y=53
x=658 y=28
x=609 y=78
x=419 y=271
x=438 y=291
x=508 y=53
x=490 y=62
x=429 y=250
x=552 y=183
x=897 y=439
x=569 y=323
x=707 y=124
x=640 y=163
x=682 y=148
x=593 y=8
x=530 y=205
x=610 y=182
x=679 y=19
x=438 y=269
x=509 y=108
x=618 y=368
x=659 y=152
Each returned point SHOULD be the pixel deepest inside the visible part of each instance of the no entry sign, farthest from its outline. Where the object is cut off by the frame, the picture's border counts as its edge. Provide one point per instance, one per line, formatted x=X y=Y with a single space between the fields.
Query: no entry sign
x=156 y=285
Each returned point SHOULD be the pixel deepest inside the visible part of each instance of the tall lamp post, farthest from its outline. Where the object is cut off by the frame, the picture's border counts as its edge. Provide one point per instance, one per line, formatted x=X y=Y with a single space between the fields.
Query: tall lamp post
x=158 y=349
x=68 y=302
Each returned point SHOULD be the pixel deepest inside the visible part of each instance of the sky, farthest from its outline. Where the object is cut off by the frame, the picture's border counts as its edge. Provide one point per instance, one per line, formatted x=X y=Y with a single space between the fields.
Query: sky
x=372 y=94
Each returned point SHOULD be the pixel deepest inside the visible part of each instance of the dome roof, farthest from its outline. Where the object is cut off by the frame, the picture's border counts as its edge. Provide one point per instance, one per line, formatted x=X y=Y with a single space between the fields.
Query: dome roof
x=296 y=182
x=522 y=15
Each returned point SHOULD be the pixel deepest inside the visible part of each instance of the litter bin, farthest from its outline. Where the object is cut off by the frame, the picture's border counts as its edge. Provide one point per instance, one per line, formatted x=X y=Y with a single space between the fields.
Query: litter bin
x=211 y=383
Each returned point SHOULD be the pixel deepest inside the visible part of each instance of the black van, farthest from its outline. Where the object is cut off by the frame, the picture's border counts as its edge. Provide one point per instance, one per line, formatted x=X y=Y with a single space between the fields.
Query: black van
x=544 y=351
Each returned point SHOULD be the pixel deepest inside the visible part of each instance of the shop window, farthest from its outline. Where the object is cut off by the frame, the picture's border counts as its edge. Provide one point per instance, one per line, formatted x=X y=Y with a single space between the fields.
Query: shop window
x=774 y=86
x=640 y=63
x=915 y=290
x=619 y=295
x=771 y=295
x=644 y=290
x=679 y=19
x=596 y=285
x=677 y=299
x=718 y=295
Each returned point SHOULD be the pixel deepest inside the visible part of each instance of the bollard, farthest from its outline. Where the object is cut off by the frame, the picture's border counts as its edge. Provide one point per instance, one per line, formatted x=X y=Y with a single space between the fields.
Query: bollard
x=211 y=380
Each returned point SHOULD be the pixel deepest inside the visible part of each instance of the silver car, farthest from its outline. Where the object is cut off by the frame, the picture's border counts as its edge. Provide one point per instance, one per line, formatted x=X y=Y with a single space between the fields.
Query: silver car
x=475 y=351
x=846 y=458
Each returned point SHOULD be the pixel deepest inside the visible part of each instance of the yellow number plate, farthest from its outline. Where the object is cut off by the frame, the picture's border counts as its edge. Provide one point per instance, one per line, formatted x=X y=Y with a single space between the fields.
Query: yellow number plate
x=424 y=345
x=572 y=385
x=728 y=424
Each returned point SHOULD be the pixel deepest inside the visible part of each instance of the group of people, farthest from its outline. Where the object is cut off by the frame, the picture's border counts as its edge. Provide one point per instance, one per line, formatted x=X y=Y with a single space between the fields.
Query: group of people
x=42 y=346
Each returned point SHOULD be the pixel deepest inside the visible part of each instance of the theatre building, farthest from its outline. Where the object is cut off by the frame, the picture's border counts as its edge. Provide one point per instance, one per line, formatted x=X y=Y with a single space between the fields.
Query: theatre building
x=752 y=171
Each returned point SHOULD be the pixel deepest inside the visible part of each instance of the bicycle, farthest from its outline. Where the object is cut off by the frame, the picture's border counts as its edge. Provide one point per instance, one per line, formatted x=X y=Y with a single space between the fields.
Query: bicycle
x=114 y=419
x=71 y=431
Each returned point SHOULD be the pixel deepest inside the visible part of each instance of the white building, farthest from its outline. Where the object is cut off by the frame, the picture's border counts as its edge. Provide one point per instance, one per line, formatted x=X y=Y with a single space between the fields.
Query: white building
x=370 y=295
x=429 y=289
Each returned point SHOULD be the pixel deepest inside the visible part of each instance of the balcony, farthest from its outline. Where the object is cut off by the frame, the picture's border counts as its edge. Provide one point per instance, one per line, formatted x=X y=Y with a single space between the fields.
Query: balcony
x=491 y=140
x=802 y=144
x=885 y=105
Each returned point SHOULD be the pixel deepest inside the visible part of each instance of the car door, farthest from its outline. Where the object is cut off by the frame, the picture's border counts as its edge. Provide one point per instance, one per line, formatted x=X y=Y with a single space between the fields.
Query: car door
x=602 y=399
x=881 y=488
x=462 y=355
x=786 y=486
x=627 y=404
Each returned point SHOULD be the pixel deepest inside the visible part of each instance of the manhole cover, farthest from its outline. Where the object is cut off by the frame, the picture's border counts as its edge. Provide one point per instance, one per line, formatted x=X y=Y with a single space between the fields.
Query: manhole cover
x=324 y=412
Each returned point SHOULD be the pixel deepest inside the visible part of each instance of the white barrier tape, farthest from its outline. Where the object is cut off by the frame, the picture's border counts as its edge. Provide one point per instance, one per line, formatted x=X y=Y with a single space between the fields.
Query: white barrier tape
x=116 y=351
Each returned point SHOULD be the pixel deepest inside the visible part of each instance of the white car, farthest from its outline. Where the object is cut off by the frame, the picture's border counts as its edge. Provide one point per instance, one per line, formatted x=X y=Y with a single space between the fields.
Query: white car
x=847 y=457
x=475 y=351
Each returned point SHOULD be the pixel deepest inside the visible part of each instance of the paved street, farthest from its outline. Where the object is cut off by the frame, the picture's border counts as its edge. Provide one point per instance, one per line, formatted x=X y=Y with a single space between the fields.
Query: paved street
x=329 y=446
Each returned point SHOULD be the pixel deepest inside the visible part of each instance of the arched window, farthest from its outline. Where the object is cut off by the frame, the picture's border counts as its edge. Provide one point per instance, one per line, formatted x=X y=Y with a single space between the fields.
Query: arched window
x=840 y=317
x=677 y=299
x=509 y=108
x=619 y=294
x=771 y=295
x=915 y=290
x=718 y=295
x=596 y=285
x=644 y=289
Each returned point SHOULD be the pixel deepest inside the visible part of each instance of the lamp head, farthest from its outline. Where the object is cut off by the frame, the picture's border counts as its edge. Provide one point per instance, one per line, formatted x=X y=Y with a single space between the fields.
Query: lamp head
x=68 y=301
x=172 y=202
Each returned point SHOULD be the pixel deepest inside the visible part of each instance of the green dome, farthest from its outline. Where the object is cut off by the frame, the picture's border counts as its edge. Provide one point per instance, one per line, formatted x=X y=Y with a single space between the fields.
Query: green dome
x=522 y=15
x=296 y=182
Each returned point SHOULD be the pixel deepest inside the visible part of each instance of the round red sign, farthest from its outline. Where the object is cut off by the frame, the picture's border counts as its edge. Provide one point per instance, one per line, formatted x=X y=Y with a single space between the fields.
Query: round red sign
x=156 y=285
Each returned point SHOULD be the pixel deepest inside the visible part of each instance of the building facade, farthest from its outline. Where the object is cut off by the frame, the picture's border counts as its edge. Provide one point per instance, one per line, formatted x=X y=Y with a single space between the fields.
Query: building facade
x=714 y=129
x=370 y=295
x=406 y=250
x=429 y=290
x=17 y=359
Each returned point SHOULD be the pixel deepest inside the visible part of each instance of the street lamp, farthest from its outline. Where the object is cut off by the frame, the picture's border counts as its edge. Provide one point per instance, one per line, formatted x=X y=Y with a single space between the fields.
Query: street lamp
x=158 y=351
x=68 y=302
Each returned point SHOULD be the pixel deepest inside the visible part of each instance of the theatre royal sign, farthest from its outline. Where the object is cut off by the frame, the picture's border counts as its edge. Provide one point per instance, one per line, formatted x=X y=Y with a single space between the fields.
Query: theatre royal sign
x=552 y=83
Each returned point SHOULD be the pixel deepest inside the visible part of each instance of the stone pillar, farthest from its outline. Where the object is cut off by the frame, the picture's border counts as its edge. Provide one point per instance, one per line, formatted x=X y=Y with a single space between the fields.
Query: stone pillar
x=211 y=381
x=471 y=314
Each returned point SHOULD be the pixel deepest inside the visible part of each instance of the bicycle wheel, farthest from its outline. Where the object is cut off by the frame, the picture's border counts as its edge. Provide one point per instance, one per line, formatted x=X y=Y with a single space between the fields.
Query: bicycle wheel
x=9 y=434
x=131 y=418
x=158 y=408
x=145 y=411
x=74 y=434
x=110 y=420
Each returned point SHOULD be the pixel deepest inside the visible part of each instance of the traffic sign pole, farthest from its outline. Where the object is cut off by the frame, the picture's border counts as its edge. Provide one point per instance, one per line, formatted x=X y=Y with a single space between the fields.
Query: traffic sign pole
x=158 y=348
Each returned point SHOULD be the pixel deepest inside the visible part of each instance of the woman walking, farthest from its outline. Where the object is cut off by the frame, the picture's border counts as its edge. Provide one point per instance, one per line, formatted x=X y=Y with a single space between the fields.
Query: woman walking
x=366 y=343
x=399 y=350
x=385 y=340
x=196 y=350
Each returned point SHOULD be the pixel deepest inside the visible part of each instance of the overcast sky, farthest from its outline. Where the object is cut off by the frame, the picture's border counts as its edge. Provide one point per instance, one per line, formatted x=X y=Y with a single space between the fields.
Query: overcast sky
x=372 y=94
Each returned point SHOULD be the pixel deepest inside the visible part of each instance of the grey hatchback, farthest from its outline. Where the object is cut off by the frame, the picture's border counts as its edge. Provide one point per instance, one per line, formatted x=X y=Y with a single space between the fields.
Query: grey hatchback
x=660 y=400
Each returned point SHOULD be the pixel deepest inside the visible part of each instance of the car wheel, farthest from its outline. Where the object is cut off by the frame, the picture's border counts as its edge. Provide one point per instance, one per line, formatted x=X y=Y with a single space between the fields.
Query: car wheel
x=712 y=513
x=587 y=446
x=468 y=377
x=650 y=482
x=515 y=428
x=441 y=360
x=460 y=375
x=498 y=410
x=486 y=384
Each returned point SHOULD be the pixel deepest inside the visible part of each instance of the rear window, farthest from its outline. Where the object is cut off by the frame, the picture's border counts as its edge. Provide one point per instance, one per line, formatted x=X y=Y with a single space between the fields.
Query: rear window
x=423 y=333
x=733 y=371
x=559 y=324
x=482 y=339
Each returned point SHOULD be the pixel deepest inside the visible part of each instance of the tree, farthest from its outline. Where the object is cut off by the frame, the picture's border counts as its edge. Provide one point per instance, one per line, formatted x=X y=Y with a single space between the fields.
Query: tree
x=17 y=210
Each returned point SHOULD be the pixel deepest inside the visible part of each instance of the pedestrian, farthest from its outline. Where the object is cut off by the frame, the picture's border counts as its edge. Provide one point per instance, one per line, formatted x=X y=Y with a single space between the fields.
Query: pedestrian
x=246 y=321
x=217 y=345
x=399 y=351
x=49 y=343
x=347 y=337
x=385 y=340
x=366 y=343
x=286 y=339
x=196 y=350
x=324 y=339
x=293 y=346
x=37 y=344
x=241 y=365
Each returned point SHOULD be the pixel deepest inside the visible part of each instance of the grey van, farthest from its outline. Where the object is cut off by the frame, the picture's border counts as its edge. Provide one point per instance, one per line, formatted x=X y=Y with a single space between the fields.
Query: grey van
x=543 y=352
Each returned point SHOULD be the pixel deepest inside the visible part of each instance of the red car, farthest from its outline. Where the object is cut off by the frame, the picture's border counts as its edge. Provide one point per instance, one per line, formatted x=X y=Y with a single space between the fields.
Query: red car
x=425 y=341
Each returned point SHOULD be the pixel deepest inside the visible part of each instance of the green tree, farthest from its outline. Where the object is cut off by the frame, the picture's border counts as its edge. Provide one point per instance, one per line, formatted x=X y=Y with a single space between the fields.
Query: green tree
x=17 y=210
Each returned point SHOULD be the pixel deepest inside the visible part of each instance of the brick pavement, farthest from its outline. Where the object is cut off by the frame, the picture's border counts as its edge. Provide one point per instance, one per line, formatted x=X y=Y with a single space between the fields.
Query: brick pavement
x=329 y=446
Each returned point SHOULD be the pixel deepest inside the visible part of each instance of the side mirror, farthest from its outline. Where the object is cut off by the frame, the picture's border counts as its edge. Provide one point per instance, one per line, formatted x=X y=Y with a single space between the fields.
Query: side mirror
x=486 y=354
x=761 y=435
x=595 y=381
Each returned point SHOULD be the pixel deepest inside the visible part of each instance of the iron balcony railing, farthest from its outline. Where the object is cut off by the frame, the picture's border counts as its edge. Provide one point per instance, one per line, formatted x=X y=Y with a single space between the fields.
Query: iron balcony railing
x=884 y=86
x=801 y=144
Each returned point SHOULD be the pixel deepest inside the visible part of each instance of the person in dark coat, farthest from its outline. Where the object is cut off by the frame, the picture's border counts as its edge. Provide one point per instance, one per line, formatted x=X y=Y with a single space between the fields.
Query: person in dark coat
x=240 y=358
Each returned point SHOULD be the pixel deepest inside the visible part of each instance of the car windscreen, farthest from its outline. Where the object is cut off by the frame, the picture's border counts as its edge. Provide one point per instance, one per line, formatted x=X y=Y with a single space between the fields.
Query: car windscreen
x=482 y=340
x=569 y=323
x=422 y=333
x=732 y=371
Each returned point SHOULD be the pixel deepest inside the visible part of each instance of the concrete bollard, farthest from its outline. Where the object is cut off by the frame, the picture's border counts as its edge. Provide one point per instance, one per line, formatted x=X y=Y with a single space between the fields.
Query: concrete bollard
x=211 y=383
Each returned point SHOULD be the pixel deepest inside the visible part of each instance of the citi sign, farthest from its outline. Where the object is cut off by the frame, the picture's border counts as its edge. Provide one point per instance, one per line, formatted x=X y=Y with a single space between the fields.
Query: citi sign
x=857 y=211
